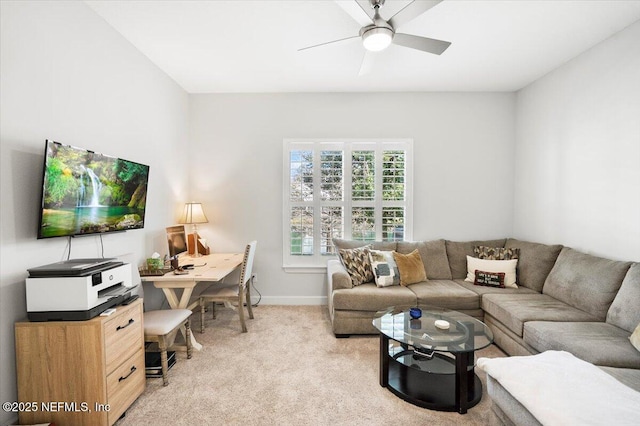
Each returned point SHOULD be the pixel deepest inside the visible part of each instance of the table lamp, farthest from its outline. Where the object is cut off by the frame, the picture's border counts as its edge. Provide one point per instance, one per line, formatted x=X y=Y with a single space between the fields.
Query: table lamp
x=192 y=215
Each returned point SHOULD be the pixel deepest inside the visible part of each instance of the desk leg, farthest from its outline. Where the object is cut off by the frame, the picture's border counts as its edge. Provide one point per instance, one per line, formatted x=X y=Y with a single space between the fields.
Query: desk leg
x=172 y=298
x=183 y=303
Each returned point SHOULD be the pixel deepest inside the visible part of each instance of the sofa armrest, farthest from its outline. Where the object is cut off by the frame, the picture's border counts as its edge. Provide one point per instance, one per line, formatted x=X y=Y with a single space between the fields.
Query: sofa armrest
x=337 y=276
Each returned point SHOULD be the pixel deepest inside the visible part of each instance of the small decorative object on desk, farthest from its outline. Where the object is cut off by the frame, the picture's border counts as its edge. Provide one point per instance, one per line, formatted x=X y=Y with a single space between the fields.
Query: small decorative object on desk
x=155 y=262
x=415 y=313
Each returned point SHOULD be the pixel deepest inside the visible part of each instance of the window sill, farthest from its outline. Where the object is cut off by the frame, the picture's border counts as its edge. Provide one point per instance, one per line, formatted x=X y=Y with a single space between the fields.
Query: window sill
x=302 y=269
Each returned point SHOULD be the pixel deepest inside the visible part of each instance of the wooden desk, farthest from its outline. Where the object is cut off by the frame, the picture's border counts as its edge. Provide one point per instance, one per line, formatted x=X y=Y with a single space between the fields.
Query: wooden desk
x=216 y=267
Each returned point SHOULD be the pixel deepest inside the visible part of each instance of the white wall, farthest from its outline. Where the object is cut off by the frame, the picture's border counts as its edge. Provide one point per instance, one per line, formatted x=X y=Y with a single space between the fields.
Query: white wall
x=66 y=75
x=463 y=145
x=578 y=152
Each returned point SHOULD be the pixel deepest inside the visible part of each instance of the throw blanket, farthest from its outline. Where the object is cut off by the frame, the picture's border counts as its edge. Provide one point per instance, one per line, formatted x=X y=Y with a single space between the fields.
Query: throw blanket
x=560 y=389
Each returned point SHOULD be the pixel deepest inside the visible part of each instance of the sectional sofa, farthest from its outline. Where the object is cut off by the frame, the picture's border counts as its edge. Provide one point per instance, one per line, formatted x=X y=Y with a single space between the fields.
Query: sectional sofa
x=565 y=301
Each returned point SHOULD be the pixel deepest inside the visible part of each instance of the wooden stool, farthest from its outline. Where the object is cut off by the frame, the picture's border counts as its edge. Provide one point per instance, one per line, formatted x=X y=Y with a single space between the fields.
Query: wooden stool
x=158 y=325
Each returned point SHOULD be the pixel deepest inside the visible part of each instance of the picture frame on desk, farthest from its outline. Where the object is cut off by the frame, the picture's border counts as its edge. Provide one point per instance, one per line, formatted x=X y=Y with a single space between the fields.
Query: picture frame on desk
x=177 y=240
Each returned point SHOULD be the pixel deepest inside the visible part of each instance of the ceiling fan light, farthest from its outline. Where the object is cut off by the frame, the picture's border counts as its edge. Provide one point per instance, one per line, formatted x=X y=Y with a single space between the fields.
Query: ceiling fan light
x=377 y=39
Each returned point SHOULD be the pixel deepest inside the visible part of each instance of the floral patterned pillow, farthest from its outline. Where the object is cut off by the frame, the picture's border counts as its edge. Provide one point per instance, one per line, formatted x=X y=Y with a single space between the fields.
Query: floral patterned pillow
x=496 y=253
x=356 y=262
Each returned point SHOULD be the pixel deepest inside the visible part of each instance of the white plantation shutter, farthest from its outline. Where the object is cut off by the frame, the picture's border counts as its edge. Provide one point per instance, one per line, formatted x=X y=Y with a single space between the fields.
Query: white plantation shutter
x=353 y=189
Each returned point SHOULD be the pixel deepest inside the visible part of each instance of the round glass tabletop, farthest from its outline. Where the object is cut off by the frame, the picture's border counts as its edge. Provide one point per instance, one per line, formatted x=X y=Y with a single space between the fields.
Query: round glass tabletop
x=436 y=329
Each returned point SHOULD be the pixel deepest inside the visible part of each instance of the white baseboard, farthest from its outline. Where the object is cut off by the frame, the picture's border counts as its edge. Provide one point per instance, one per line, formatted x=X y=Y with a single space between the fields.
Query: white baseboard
x=291 y=300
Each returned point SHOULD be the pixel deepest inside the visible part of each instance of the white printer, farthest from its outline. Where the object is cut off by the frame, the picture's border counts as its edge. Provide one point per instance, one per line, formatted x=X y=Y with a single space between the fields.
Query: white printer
x=77 y=289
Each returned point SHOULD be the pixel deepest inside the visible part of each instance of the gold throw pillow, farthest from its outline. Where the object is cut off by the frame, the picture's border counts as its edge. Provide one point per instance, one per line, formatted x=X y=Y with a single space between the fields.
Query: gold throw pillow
x=411 y=267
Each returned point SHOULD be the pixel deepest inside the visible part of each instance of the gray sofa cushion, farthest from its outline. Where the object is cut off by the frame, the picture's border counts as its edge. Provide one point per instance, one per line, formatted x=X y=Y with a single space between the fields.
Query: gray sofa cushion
x=625 y=309
x=433 y=254
x=368 y=297
x=596 y=342
x=585 y=282
x=534 y=262
x=351 y=244
x=483 y=289
x=513 y=310
x=445 y=294
x=457 y=253
x=626 y=376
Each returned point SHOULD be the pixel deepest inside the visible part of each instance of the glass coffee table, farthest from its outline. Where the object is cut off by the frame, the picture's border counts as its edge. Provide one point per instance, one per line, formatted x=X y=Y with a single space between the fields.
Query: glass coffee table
x=431 y=364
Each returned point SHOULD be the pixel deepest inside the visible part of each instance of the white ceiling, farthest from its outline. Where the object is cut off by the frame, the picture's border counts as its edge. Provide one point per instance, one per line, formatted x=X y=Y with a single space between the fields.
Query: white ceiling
x=252 y=46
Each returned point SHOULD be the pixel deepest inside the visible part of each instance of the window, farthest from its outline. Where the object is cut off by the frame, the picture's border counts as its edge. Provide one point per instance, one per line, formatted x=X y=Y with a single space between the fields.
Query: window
x=354 y=189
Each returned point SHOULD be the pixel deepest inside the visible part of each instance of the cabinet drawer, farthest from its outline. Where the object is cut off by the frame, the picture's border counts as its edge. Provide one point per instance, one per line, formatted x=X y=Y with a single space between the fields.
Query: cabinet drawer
x=123 y=336
x=125 y=384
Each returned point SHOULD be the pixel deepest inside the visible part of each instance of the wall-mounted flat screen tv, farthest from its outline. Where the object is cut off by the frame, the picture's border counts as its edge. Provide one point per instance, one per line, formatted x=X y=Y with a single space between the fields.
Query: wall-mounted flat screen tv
x=85 y=192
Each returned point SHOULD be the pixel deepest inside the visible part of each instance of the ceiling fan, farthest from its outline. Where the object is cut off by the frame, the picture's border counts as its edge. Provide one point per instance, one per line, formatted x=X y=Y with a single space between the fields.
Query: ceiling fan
x=377 y=34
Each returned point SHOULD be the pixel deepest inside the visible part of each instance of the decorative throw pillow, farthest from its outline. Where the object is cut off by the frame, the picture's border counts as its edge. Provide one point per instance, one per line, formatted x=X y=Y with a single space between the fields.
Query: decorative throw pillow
x=411 y=267
x=385 y=270
x=356 y=262
x=496 y=253
x=506 y=266
x=489 y=279
x=635 y=338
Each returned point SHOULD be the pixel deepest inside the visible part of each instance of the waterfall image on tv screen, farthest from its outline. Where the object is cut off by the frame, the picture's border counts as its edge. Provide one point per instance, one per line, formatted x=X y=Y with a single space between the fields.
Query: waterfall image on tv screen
x=85 y=192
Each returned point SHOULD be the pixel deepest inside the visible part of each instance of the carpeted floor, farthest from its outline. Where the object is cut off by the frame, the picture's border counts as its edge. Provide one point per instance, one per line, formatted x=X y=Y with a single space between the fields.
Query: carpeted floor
x=288 y=369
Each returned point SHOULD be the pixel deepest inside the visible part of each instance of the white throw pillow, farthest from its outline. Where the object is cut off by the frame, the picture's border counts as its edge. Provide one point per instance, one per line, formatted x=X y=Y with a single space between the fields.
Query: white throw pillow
x=635 y=338
x=385 y=270
x=506 y=266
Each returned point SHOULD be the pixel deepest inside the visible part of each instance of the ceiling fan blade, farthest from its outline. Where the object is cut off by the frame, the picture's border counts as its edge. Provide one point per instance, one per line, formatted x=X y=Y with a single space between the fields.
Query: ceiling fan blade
x=356 y=11
x=425 y=44
x=367 y=63
x=329 y=42
x=411 y=11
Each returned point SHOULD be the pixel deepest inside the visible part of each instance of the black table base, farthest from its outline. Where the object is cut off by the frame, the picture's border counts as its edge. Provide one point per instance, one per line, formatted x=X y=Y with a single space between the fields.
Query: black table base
x=432 y=380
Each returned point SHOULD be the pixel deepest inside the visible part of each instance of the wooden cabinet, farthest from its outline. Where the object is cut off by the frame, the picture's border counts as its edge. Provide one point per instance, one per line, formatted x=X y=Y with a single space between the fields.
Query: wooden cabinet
x=80 y=372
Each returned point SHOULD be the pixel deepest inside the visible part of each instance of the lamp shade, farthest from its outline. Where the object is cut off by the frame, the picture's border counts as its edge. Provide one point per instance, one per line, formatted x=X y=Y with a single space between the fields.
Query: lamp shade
x=193 y=213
